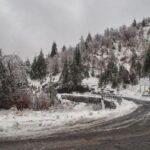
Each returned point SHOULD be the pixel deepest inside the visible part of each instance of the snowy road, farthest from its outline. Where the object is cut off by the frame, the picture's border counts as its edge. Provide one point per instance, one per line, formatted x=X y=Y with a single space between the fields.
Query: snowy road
x=125 y=133
x=29 y=124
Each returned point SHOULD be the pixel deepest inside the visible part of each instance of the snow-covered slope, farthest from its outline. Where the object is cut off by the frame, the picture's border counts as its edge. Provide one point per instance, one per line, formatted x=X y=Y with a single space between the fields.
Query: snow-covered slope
x=139 y=91
x=123 y=55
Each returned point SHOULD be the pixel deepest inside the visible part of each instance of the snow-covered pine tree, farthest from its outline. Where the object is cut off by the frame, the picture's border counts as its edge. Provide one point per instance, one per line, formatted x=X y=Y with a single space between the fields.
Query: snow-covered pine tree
x=143 y=23
x=124 y=77
x=112 y=70
x=89 y=43
x=103 y=80
x=27 y=63
x=34 y=70
x=28 y=66
x=114 y=76
x=119 y=46
x=41 y=66
x=38 y=67
x=138 y=69
x=54 y=50
x=82 y=46
x=65 y=73
x=55 y=67
x=77 y=56
x=134 y=24
x=64 y=48
x=133 y=77
x=86 y=71
x=4 y=88
x=93 y=73
x=146 y=67
x=89 y=38
x=76 y=71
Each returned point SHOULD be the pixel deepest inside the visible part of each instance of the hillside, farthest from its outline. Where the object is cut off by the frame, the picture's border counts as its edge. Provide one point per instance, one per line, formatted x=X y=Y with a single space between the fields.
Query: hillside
x=116 y=60
x=118 y=51
x=101 y=80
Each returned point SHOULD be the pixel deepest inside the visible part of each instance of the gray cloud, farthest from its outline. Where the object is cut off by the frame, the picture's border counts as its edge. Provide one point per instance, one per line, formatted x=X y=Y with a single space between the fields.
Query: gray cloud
x=29 y=25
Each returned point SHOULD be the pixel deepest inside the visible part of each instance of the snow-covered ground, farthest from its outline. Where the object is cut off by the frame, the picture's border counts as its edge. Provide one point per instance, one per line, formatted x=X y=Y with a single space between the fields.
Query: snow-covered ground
x=31 y=123
x=136 y=91
x=39 y=84
x=91 y=82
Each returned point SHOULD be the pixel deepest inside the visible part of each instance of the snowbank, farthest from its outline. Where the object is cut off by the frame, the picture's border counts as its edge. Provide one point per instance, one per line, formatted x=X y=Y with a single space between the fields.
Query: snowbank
x=137 y=91
x=37 y=123
x=91 y=82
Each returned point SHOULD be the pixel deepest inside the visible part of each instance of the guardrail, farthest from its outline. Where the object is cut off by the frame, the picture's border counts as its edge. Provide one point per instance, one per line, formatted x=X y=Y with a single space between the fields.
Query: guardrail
x=89 y=99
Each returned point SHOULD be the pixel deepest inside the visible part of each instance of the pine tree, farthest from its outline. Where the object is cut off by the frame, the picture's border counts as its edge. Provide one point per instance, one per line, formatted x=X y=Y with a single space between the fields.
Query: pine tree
x=103 y=80
x=34 y=70
x=133 y=77
x=124 y=75
x=133 y=61
x=143 y=23
x=98 y=37
x=119 y=47
x=75 y=75
x=3 y=78
x=83 y=50
x=82 y=46
x=114 y=76
x=115 y=82
x=1 y=52
x=38 y=67
x=65 y=73
x=146 y=67
x=76 y=71
x=92 y=73
x=77 y=56
x=89 y=38
x=112 y=70
x=27 y=63
x=55 y=68
x=41 y=66
x=54 y=50
x=139 y=69
x=28 y=66
x=64 y=48
x=86 y=71
x=134 y=24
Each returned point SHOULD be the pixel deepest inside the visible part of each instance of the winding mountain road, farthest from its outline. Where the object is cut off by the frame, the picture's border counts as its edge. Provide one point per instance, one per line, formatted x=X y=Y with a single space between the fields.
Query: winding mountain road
x=131 y=132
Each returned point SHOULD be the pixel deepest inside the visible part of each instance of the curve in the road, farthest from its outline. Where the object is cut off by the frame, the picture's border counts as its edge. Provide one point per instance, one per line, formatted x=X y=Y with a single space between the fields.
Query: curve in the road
x=131 y=132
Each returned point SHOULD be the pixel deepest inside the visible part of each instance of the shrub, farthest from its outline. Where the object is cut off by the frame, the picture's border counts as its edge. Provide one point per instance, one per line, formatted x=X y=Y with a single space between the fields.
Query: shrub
x=23 y=102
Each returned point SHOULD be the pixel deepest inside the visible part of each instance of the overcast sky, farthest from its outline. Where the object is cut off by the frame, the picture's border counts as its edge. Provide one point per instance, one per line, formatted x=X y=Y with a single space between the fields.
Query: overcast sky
x=26 y=26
